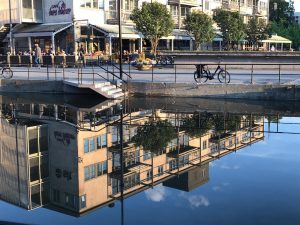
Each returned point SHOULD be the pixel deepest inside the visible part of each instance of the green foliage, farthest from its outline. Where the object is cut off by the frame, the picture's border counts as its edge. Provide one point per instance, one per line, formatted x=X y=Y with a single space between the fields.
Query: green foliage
x=198 y=124
x=201 y=123
x=154 y=21
x=201 y=26
x=283 y=12
x=256 y=30
x=154 y=136
x=289 y=31
x=231 y=26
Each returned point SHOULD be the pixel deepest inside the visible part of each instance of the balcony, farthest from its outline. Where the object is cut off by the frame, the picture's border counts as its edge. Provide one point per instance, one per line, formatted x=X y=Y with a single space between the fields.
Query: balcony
x=112 y=17
x=184 y=2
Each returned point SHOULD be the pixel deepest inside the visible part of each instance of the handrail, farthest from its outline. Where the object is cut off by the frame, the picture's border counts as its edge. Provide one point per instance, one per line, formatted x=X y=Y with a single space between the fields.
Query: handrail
x=122 y=71
x=112 y=73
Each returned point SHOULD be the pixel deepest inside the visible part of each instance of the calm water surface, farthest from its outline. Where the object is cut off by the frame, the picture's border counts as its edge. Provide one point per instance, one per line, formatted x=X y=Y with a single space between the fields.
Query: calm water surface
x=60 y=163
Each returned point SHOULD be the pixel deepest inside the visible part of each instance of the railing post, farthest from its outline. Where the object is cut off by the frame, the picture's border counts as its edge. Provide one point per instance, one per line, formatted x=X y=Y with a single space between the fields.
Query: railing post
x=47 y=72
x=78 y=73
x=63 y=72
x=28 y=72
x=225 y=74
x=175 y=75
x=279 y=73
x=93 y=74
x=55 y=72
x=81 y=75
x=152 y=74
x=252 y=74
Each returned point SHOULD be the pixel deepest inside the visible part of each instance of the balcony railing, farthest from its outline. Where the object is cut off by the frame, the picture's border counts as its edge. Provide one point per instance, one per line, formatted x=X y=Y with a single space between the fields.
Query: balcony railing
x=184 y=2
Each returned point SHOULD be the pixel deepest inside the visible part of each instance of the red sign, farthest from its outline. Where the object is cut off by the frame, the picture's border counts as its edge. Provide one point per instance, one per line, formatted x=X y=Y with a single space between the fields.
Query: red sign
x=59 y=9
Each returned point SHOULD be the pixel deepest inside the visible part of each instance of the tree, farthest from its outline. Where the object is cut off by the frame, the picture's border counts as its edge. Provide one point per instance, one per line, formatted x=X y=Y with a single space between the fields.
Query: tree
x=231 y=25
x=256 y=30
x=200 y=25
x=154 y=21
x=154 y=136
x=289 y=31
x=198 y=124
x=281 y=10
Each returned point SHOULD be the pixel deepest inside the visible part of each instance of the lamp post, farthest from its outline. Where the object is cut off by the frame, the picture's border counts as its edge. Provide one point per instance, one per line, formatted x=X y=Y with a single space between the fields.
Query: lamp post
x=10 y=28
x=120 y=37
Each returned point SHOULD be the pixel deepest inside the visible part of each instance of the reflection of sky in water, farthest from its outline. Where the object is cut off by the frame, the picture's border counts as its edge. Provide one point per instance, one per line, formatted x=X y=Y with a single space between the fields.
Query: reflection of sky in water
x=258 y=185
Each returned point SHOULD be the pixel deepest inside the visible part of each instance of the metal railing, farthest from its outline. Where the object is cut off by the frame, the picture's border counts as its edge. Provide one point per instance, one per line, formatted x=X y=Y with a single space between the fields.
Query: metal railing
x=240 y=73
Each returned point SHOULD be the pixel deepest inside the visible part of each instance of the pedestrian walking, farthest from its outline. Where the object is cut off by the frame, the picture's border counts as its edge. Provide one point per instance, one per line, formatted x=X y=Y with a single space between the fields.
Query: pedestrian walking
x=37 y=55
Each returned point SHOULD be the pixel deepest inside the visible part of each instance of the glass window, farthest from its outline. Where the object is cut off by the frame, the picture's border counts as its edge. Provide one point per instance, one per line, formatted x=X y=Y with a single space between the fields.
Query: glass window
x=92 y=144
x=82 y=3
x=87 y=173
x=86 y=145
x=88 y=3
x=95 y=4
x=103 y=141
x=93 y=171
x=98 y=142
x=82 y=201
x=160 y=170
x=149 y=174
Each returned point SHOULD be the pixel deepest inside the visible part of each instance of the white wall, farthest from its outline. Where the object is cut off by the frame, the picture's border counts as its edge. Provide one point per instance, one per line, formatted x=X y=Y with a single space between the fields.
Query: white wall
x=94 y=16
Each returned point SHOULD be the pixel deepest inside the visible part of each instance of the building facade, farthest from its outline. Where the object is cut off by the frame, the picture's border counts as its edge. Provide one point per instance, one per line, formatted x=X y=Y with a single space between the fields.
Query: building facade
x=92 y=24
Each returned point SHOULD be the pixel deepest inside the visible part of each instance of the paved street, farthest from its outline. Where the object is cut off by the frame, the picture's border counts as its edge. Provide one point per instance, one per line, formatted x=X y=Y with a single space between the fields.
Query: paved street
x=179 y=73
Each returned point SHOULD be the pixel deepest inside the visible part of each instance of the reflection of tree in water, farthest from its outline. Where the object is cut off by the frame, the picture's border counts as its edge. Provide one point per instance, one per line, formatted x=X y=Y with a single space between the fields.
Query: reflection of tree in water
x=201 y=123
x=154 y=136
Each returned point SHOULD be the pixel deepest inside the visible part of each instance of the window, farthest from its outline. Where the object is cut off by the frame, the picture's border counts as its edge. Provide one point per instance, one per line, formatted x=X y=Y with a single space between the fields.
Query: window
x=160 y=170
x=173 y=164
x=103 y=140
x=86 y=145
x=56 y=196
x=92 y=144
x=95 y=170
x=70 y=200
x=98 y=142
x=95 y=4
x=149 y=174
x=204 y=144
x=88 y=3
x=146 y=155
x=82 y=201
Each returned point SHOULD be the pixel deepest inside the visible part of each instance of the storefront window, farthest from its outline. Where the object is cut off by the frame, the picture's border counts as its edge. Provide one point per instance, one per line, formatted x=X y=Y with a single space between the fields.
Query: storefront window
x=88 y=3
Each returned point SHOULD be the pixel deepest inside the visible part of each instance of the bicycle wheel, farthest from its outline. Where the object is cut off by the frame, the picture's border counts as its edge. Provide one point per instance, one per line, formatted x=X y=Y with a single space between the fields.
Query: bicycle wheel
x=224 y=76
x=202 y=78
x=7 y=73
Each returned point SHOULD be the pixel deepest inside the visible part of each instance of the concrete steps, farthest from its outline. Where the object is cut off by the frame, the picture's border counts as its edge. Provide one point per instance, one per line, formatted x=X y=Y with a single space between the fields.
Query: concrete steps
x=105 y=89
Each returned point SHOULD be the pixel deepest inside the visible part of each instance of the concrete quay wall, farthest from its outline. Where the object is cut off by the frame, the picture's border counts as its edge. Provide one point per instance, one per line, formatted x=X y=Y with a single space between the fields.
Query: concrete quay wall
x=40 y=86
x=217 y=91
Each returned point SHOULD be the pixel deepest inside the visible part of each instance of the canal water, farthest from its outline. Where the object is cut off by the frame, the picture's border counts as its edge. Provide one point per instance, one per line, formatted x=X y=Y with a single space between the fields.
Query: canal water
x=148 y=161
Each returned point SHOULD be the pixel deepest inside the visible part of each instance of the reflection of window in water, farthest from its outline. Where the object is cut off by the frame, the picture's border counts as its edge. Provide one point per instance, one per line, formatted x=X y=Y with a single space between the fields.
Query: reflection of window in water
x=146 y=155
x=37 y=139
x=160 y=170
x=149 y=174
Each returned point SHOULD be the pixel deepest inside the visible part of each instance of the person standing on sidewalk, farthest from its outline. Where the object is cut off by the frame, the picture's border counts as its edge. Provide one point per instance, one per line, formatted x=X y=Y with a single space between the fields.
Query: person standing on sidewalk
x=37 y=55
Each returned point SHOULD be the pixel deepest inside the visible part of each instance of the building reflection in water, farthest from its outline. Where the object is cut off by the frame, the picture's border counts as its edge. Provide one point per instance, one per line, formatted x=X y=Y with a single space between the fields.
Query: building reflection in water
x=69 y=159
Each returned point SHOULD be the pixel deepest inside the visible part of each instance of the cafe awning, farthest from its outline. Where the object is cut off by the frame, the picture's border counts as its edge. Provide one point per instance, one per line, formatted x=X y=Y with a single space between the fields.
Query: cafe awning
x=128 y=32
x=39 y=30
x=277 y=39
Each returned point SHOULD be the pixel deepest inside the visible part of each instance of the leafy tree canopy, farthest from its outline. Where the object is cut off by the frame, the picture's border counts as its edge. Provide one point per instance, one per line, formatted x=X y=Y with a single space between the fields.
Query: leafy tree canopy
x=281 y=10
x=154 y=136
x=200 y=25
x=256 y=30
x=231 y=25
x=154 y=21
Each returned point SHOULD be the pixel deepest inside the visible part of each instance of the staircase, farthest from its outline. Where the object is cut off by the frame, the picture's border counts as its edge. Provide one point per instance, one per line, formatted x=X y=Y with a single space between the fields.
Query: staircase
x=105 y=89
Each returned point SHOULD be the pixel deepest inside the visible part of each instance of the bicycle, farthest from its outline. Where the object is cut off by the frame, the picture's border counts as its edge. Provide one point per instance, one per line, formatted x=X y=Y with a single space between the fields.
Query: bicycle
x=202 y=74
x=6 y=72
x=165 y=60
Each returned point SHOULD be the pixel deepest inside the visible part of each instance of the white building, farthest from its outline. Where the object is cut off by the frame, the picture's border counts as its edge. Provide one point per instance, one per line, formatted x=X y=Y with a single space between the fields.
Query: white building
x=92 y=24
